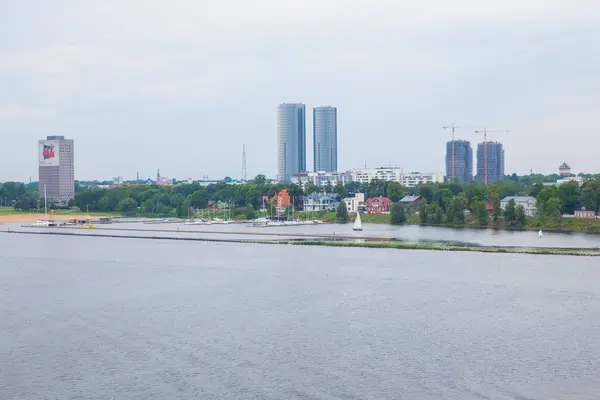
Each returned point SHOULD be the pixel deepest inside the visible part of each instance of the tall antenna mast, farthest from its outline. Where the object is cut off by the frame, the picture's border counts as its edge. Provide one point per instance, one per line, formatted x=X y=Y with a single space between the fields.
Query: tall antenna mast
x=244 y=167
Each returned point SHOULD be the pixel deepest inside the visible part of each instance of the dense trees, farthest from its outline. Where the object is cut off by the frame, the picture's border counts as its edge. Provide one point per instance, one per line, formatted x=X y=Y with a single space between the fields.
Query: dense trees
x=398 y=214
x=341 y=214
x=27 y=203
x=510 y=213
x=127 y=206
x=590 y=195
x=445 y=203
x=341 y=190
x=395 y=191
x=11 y=192
x=456 y=211
x=479 y=208
x=520 y=217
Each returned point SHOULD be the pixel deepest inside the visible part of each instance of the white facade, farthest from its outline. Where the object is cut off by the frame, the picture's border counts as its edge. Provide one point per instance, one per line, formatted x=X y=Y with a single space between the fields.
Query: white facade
x=527 y=202
x=415 y=178
x=352 y=203
x=576 y=179
x=319 y=202
x=321 y=178
x=366 y=175
x=411 y=179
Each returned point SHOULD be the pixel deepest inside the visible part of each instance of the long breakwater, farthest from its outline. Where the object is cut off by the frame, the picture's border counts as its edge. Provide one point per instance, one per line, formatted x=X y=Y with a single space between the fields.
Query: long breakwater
x=299 y=239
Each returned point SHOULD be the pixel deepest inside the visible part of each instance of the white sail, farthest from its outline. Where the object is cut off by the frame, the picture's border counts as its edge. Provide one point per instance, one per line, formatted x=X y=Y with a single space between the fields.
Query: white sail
x=540 y=234
x=357 y=223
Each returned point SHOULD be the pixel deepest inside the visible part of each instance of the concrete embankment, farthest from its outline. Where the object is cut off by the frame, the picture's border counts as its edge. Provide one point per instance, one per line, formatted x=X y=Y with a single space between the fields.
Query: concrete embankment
x=373 y=244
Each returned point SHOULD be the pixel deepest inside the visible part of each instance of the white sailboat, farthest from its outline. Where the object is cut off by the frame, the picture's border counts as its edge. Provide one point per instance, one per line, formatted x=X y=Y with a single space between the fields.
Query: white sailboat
x=357 y=223
x=540 y=234
x=44 y=223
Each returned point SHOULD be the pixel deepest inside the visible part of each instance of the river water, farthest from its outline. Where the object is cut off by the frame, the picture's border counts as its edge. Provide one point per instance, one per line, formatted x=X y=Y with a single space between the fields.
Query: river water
x=105 y=318
x=409 y=233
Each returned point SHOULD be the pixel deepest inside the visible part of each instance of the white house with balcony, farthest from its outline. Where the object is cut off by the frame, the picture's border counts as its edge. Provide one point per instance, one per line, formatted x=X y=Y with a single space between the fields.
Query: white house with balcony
x=527 y=202
x=318 y=202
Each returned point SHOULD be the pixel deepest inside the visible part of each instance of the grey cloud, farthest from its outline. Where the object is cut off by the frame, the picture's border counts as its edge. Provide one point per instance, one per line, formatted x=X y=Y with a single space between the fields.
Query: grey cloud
x=181 y=85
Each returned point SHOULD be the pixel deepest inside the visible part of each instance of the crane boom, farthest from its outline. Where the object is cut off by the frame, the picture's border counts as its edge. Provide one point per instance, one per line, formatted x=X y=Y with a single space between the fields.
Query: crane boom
x=453 y=128
x=485 y=166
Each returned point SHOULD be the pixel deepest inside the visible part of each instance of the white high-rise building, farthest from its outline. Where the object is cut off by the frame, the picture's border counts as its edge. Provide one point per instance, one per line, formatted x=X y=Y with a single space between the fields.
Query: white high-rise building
x=388 y=174
x=57 y=169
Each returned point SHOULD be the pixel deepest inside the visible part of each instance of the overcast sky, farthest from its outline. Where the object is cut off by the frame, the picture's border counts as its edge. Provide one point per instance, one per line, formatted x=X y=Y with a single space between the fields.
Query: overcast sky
x=180 y=85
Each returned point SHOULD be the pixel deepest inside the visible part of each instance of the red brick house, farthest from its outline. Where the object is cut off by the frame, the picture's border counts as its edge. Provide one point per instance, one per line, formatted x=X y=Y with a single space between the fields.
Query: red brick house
x=379 y=205
x=282 y=199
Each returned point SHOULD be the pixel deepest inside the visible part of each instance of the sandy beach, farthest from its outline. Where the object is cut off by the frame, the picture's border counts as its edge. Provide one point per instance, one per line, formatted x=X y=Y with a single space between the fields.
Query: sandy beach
x=36 y=217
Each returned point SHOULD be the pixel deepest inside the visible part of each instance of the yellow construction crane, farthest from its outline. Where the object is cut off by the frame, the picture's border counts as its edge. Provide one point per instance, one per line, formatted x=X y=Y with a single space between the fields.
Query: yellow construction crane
x=485 y=132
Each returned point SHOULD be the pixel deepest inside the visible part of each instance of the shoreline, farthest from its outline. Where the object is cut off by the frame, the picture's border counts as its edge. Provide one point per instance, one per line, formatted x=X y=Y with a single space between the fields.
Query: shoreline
x=23 y=218
x=432 y=246
x=16 y=218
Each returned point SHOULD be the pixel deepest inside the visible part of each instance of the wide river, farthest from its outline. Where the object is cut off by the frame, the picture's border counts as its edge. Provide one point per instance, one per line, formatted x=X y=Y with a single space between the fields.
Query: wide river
x=409 y=233
x=105 y=318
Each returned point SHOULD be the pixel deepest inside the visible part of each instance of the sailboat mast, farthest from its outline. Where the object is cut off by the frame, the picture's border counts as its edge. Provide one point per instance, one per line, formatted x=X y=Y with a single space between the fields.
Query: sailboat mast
x=45 y=202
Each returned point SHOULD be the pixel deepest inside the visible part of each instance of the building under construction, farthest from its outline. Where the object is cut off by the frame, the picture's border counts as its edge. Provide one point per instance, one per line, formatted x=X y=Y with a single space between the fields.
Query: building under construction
x=459 y=161
x=494 y=171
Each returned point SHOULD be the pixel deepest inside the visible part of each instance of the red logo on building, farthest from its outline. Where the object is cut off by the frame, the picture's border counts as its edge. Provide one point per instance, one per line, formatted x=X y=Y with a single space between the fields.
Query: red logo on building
x=48 y=152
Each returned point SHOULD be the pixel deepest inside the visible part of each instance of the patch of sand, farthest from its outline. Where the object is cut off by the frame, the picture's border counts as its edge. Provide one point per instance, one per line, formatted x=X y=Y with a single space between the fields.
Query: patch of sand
x=37 y=217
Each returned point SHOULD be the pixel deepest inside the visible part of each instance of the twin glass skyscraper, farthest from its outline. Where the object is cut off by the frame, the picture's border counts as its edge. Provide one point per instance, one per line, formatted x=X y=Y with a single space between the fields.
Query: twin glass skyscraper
x=495 y=162
x=291 y=139
x=325 y=139
x=462 y=170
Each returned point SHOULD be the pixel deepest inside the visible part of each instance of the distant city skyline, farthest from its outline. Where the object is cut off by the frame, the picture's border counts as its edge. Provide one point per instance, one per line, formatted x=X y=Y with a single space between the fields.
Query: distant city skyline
x=147 y=85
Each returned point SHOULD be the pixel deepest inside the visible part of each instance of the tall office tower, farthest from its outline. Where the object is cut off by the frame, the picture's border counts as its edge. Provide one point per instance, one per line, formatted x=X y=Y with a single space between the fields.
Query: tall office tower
x=495 y=162
x=291 y=140
x=463 y=161
x=325 y=139
x=57 y=169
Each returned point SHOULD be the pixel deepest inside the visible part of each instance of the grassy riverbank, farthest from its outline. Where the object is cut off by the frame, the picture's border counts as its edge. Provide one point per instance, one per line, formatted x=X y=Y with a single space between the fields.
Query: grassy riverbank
x=557 y=224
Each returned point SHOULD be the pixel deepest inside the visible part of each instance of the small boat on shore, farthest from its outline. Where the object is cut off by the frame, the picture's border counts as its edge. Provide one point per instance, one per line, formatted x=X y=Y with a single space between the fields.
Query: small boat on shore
x=262 y=221
x=199 y=222
x=40 y=224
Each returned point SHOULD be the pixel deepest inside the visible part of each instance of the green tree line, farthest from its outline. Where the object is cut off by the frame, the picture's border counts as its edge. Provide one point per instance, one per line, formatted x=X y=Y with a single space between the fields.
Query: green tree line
x=441 y=203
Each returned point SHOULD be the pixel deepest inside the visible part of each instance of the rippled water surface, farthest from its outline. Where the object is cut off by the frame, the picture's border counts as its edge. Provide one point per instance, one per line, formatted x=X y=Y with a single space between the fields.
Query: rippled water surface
x=409 y=233
x=101 y=318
